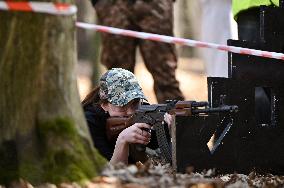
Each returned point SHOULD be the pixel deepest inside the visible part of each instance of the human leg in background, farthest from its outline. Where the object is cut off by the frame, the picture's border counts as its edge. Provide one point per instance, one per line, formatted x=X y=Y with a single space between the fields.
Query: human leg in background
x=160 y=58
x=117 y=51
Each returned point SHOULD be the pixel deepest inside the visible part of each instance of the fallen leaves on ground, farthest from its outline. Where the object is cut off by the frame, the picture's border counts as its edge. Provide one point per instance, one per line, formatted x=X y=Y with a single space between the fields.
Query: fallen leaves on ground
x=156 y=175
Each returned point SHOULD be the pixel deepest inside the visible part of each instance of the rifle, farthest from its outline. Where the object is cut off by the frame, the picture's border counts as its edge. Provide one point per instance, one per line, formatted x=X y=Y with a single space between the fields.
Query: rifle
x=154 y=116
x=151 y=114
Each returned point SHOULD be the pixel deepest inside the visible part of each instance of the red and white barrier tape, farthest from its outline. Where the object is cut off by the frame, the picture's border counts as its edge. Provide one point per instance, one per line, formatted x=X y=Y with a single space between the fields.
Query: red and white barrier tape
x=180 y=41
x=66 y=9
x=41 y=7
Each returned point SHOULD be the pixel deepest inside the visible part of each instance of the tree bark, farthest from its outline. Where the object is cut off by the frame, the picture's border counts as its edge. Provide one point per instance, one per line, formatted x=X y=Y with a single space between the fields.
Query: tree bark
x=44 y=137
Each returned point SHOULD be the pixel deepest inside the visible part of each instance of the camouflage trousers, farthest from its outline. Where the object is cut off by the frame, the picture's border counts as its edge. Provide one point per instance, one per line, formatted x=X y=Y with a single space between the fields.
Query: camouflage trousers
x=153 y=16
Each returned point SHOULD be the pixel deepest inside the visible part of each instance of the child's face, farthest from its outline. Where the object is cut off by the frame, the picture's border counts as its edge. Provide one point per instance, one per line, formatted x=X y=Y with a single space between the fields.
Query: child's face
x=126 y=110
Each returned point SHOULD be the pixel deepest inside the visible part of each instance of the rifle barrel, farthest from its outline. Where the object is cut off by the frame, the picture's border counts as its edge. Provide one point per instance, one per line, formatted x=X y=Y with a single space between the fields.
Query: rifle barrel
x=199 y=104
x=226 y=108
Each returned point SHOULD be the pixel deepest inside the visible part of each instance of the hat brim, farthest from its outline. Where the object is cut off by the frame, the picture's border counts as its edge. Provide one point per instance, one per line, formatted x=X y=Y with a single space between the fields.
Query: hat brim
x=127 y=97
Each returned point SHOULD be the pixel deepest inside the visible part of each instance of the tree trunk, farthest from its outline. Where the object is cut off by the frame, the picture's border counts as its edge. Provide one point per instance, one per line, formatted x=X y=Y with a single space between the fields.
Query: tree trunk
x=44 y=137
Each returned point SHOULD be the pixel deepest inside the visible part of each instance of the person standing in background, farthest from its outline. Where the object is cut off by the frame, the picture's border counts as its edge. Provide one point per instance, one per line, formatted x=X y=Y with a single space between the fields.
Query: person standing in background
x=217 y=26
x=152 y=16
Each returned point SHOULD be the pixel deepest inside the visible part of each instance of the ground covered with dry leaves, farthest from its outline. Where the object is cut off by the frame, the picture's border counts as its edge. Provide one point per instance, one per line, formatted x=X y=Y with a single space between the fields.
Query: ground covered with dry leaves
x=162 y=176
x=155 y=175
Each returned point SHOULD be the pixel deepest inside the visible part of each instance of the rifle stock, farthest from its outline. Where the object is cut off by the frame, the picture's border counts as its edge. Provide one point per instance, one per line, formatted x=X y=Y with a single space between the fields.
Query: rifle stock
x=115 y=125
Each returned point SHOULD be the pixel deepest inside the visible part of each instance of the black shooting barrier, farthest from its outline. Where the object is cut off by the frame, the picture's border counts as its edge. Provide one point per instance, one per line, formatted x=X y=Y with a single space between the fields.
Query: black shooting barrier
x=252 y=138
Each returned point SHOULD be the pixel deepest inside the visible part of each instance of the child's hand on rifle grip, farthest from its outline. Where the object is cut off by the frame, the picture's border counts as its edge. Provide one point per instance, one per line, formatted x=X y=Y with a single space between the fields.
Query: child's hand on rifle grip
x=135 y=134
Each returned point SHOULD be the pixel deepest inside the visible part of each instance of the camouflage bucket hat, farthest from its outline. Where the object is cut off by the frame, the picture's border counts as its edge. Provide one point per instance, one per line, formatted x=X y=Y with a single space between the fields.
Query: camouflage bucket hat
x=119 y=87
